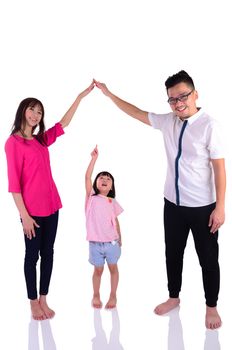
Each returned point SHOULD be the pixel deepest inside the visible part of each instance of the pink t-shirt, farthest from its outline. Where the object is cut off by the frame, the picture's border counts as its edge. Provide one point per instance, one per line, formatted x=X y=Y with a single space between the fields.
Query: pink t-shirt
x=101 y=212
x=29 y=172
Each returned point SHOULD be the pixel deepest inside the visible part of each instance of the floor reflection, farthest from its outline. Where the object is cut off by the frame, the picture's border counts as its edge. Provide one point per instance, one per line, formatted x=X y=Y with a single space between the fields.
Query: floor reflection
x=100 y=341
x=47 y=337
x=175 y=334
x=175 y=331
x=212 y=340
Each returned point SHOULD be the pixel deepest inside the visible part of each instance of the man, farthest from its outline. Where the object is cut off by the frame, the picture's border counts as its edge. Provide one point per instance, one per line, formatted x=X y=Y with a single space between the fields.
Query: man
x=194 y=193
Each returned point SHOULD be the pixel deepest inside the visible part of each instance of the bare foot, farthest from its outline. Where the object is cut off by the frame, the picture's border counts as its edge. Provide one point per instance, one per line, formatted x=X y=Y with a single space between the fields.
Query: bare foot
x=212 y=318
x=96 y=302
x=36 y=310
x=167 y=306
x=49 y=313
x=111 y=304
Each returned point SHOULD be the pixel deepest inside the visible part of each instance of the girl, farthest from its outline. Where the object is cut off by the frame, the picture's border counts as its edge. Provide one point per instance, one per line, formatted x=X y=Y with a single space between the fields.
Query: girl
x=35 y=193
x=103 y=230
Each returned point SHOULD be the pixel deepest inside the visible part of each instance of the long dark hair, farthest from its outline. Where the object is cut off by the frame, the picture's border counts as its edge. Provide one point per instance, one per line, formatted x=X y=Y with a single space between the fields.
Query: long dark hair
x=20 y=117
x=112 y=192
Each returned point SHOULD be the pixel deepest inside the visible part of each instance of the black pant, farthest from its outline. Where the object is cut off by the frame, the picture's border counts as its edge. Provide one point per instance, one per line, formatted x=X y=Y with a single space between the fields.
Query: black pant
x=42 y=244
x=178 y=221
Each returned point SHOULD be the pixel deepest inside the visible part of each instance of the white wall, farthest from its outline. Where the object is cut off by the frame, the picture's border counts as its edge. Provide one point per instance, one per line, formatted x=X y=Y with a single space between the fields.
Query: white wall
x=51 y=50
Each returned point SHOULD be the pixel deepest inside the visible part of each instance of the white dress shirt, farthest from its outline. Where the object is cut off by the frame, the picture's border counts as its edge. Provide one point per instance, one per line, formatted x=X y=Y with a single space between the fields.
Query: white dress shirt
x=190 y=179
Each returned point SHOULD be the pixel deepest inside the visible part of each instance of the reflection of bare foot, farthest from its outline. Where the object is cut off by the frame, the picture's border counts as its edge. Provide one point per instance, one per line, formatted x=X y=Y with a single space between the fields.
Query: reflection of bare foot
x=49 y=313
x=111 y=304
x=96 y=302
x=167 y=306
x=36 y=310
x=212 y=318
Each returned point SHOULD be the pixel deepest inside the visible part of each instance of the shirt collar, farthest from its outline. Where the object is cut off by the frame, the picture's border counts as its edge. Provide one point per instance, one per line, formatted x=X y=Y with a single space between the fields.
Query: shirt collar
x=195 y=116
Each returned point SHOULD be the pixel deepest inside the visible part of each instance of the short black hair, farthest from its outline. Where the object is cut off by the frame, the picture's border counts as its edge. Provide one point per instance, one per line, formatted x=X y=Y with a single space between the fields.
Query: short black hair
x=180 y=77
x=112 y=192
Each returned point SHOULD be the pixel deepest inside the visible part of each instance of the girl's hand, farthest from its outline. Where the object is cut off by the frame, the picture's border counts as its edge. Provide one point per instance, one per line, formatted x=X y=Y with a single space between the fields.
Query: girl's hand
x=29 y=225
x=89 y=172
x=87 y=91
x=94 y=153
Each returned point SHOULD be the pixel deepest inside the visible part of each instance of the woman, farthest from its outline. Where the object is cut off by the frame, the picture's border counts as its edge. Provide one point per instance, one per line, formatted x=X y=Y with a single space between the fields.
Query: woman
x=35 y=193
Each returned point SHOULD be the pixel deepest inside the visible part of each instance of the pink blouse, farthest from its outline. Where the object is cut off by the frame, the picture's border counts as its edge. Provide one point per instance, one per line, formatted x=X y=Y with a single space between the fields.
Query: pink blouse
x=29 y=172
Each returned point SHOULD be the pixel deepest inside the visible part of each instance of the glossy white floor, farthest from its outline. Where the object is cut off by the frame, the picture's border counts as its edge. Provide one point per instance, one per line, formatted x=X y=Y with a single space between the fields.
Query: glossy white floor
x=133 y=325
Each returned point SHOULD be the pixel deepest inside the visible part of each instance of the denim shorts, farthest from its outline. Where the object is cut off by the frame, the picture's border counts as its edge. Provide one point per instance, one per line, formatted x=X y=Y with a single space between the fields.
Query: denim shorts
x=99 y=252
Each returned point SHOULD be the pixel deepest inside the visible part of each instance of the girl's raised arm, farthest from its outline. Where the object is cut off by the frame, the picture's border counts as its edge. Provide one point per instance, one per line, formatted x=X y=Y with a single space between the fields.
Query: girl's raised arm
x=89 y=171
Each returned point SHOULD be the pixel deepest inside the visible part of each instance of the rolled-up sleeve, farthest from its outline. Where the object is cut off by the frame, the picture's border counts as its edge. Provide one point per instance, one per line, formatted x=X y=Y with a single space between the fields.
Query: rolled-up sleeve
x=216 y=141
x=51 y=134
x=14 y=158
x=159 y=121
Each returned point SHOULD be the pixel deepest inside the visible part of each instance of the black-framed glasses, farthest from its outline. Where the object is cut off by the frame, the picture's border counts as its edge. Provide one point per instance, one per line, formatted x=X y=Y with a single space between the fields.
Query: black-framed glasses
x=181 y=98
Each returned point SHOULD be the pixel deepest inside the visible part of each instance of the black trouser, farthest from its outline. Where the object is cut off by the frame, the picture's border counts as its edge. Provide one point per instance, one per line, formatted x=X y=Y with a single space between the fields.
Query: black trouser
x=42 y=244
x=178 y=221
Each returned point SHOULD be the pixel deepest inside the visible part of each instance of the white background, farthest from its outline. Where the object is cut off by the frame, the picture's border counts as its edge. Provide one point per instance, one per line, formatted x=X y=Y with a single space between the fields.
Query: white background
x=51 y=50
